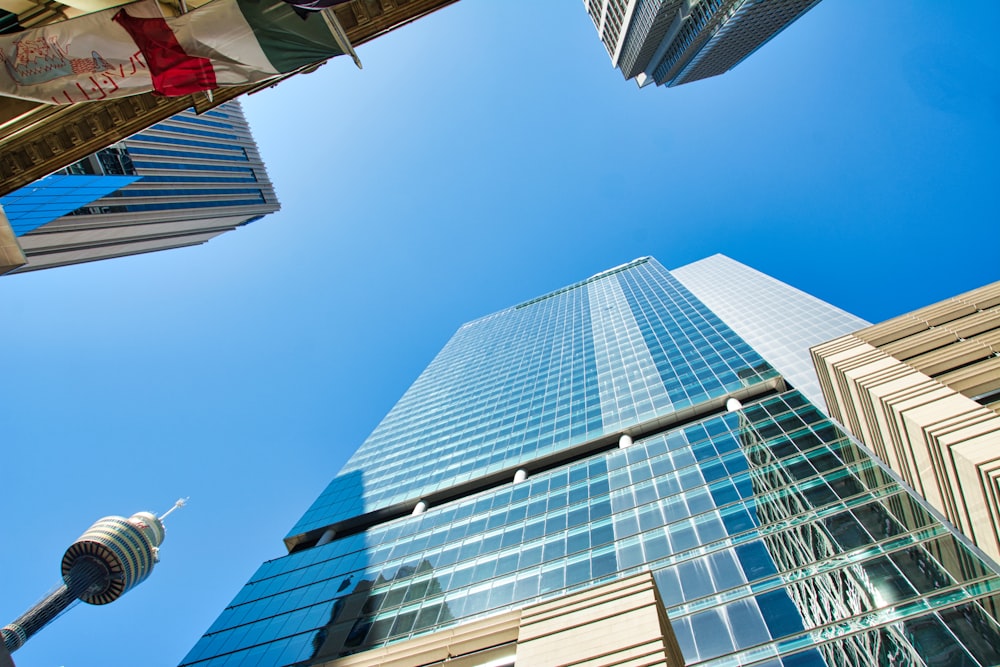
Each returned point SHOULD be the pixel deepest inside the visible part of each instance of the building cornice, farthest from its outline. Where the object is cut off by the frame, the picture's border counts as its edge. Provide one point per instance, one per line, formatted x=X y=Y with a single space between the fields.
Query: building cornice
x=38 y=139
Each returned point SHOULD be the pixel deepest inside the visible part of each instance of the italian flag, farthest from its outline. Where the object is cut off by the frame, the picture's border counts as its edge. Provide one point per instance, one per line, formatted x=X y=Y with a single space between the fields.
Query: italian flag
x=134 y=49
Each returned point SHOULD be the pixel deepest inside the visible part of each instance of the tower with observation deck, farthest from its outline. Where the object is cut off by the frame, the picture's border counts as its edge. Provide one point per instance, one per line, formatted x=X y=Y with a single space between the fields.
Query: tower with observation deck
x=113 y=556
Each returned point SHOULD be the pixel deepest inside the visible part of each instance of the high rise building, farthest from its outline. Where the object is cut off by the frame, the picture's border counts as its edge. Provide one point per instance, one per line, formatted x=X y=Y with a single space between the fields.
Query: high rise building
x=777 y=320
x=923 y=391
x=670 y=42
x=179 y=183
x=608 y=474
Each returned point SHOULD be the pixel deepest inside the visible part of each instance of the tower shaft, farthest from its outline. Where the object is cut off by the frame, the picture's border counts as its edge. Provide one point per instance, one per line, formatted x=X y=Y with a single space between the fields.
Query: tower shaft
x=85 y=575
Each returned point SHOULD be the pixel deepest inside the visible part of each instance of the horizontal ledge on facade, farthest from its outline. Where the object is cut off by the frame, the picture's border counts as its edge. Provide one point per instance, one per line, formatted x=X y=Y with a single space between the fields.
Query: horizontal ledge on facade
x=606 y=442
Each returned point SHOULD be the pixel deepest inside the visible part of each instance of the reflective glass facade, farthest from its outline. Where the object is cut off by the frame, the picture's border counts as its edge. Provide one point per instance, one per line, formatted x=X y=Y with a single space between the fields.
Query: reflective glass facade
x=773 y=538
x=56 y=195
x=178 y=183
x=541 y=377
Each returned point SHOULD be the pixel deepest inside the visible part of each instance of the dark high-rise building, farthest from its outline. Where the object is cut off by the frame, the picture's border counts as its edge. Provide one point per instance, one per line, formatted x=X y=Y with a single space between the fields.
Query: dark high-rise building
x=609 y=475
x=179 y=183
x=670 y=42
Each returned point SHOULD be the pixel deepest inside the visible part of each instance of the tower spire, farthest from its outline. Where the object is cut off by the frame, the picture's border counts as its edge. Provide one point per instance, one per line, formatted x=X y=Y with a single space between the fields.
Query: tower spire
x=181 y=502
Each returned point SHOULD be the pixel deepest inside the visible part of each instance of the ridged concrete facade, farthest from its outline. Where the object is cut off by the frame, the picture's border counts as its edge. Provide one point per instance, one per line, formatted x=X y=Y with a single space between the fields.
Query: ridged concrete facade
x=923 y=391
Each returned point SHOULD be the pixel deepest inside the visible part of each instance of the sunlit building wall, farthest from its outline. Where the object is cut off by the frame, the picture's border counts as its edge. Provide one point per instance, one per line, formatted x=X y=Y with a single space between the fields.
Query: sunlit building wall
x=37 y=139
x=776 y=319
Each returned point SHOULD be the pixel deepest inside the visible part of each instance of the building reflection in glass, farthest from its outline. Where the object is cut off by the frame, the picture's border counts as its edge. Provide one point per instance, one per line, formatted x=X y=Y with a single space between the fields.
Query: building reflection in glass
x=350 y=628
x=829 y=574
x=773 y=539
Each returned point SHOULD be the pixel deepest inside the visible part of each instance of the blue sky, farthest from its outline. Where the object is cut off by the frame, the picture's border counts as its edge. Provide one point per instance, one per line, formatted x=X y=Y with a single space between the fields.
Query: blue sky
x=485 y=155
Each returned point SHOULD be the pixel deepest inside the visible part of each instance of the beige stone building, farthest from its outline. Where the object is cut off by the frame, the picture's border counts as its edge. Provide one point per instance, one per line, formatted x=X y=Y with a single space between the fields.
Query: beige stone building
x=923 y=391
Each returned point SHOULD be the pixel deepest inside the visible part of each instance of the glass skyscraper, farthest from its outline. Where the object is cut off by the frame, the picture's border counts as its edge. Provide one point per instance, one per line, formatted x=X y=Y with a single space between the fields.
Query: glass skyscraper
x=179 y=183
x=563 y=447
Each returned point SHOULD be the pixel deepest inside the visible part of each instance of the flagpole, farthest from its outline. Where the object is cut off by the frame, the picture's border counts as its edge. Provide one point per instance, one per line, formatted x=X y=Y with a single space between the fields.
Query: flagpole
x=340 y=34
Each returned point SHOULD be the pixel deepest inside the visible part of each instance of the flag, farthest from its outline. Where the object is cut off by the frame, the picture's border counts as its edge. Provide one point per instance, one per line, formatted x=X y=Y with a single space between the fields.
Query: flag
x=134 y=49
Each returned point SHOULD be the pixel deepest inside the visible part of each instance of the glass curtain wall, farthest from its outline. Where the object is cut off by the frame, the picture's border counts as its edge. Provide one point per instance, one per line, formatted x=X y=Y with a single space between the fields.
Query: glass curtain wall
x=773 y=538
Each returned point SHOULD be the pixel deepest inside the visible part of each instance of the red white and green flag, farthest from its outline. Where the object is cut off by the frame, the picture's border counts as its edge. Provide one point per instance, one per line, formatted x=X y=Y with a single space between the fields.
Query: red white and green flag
x=133 y=49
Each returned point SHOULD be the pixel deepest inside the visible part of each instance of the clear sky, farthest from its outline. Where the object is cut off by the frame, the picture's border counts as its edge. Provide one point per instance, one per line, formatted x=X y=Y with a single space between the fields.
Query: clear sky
x=485 y=155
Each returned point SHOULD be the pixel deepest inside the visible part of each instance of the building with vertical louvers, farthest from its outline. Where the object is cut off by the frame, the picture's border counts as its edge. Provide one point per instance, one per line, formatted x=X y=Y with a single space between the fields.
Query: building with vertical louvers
x=923 y=391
